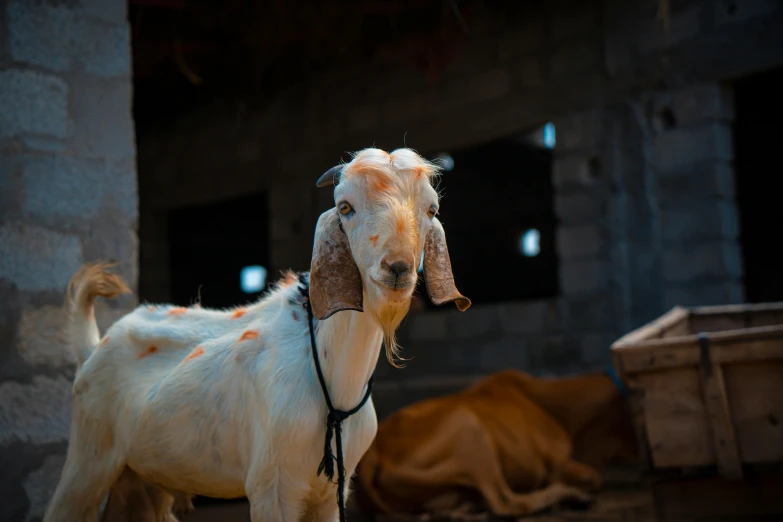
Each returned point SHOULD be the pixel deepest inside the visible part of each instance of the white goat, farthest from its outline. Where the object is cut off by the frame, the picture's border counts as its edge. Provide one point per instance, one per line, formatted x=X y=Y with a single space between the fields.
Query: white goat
x=227 y=403
x=133 y=500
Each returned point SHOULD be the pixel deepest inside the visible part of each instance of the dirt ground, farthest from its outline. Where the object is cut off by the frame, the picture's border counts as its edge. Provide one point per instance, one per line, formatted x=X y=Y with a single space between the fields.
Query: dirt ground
x=705 y=499
x=613 y=505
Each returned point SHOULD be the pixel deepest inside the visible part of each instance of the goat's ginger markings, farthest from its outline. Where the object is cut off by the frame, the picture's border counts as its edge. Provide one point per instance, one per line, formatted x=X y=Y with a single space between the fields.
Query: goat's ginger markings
x=148 y=351
x=401 y=224
x=249 y=335
x=197 y=352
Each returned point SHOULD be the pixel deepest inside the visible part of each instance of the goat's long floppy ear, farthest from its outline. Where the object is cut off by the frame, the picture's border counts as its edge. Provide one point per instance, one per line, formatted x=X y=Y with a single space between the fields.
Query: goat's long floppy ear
x=330 y=177
x=335 y=282
x=437 y=270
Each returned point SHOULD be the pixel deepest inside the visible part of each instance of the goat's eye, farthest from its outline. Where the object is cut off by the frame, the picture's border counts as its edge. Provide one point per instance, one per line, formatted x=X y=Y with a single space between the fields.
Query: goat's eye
x=432 y=212
x=345 y=208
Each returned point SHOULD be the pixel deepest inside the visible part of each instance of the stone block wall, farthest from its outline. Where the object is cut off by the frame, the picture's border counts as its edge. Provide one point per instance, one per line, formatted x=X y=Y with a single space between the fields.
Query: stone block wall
x=564 y=334
x=643 y=179
x=67 y=196
x=642 y=174
x=702 y=262
x=510 y=76
x=647 y=220
x=672 y=215
x=644 y=184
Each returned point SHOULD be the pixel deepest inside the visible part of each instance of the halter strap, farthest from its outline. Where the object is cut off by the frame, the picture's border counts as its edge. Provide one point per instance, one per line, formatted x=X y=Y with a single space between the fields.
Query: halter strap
x=335 y=417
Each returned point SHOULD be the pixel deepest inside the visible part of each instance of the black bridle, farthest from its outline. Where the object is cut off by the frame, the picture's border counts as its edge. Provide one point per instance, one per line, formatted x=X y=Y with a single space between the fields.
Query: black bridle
x=335 y=417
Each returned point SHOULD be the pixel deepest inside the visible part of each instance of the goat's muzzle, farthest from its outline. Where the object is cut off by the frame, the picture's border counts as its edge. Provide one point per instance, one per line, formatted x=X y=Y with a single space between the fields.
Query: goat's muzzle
x=397 y=274
x=397 y=283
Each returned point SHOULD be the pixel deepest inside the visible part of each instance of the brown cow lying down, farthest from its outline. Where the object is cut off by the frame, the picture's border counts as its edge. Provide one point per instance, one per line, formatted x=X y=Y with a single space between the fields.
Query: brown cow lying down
x=512 y=444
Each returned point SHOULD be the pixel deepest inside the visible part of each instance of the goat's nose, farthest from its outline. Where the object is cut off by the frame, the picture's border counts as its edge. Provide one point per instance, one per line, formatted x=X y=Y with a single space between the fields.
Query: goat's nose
x=398 y=268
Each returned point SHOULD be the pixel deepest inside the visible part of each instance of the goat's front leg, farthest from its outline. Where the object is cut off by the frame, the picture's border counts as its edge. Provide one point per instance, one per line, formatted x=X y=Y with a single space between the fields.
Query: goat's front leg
x=329 y=511
x=271 y=501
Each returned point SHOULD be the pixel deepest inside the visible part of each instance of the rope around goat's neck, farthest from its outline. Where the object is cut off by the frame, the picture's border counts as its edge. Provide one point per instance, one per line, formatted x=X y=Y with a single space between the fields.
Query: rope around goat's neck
x=335 y=417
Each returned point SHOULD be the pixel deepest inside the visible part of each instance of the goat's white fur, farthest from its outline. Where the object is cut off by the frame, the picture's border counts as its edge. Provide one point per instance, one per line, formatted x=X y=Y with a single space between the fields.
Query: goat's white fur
x=247 y=417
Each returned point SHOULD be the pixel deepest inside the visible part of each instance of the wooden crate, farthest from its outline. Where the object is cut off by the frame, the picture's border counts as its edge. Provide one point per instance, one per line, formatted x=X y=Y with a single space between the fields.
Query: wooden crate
x=706 y=387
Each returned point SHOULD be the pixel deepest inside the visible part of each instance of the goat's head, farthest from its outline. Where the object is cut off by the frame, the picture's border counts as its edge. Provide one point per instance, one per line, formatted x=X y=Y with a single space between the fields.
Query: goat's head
x=367 y=249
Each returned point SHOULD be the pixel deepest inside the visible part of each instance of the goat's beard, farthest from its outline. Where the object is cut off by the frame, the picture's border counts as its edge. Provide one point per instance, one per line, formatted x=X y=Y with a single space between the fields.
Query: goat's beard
x=389 y=315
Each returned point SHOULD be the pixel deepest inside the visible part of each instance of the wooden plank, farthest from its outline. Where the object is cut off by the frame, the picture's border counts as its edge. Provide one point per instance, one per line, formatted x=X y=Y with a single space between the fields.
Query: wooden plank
x=755 y=394
x=675 y=420
x=737 y=309
x=758 y=344
x=678 y=329
x=750 y=334
x=716 y=404
x=718 y=322
x=658 y=359
x=714 y=319
x=766 y=318
x=714 y=498
x=725 y=410
x=739 y=351
x=636 y=405
x=655 y=329
x=663 y=359
x=635 y=400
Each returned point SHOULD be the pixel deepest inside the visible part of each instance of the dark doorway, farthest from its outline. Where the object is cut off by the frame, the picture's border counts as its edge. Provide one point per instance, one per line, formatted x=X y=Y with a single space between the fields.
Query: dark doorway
x=758 y=135
x=498 y=213
x=210 y=247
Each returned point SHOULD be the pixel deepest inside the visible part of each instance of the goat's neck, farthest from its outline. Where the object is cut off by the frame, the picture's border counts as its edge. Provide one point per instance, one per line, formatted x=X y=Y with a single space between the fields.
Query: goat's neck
x=348 y=345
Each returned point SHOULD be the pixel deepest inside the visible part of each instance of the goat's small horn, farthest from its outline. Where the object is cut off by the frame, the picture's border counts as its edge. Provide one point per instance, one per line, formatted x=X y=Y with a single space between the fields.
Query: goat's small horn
x=330 y=177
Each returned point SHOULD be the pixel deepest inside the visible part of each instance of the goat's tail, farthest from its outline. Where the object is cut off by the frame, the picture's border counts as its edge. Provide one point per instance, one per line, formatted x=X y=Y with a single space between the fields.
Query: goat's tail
x=92 y=280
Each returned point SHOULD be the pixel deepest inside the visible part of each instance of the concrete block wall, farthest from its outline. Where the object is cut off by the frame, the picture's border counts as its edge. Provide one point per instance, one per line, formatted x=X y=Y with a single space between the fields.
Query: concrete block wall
x=644 y=198
x=67 y=195
x=581 y=191
x=509 y=76
x=673 y=221
x=627 y=192
x=564 y=334
x=633 y=187
x=693 y=155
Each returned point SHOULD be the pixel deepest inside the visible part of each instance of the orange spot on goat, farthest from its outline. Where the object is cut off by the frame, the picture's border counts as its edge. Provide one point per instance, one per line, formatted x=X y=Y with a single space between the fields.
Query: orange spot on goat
x=238 y=313
x=400 y=224
x=379 y=183
x=418 y=172
x=249 y=335
x=374 y=240
x=104 y=341
x=148 y=351
x=177 y=311
x=289 y=278
x=197 y=352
